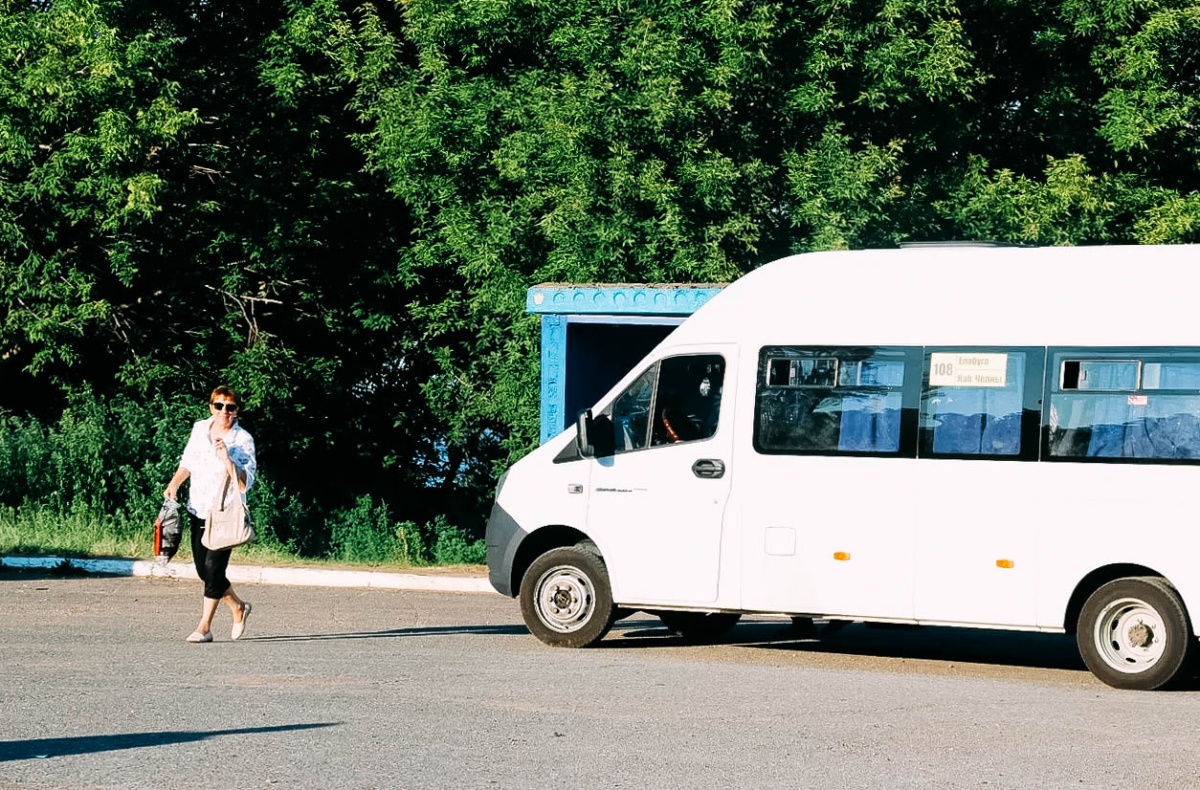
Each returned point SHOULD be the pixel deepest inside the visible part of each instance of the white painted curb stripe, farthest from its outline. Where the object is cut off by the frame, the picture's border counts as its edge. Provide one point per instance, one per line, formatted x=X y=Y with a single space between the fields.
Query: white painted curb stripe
x=253 y=574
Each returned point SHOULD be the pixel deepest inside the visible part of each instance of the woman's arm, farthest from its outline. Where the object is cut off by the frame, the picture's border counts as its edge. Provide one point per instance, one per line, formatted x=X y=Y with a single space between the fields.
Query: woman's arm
x=196 y=440
x=177 y=479
x=242 y=472
x=241 y=453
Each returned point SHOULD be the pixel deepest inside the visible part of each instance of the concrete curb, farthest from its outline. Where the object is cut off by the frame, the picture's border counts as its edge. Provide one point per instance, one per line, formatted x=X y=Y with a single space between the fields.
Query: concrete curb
x=255 y=574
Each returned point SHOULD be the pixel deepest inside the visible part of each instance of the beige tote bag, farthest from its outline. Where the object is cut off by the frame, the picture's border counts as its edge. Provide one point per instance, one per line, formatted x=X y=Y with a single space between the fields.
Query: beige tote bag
x=227 y=527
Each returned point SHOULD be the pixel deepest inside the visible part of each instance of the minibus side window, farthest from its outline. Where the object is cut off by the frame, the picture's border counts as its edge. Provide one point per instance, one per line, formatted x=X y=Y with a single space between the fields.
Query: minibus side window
x=826 y=401
x=631 y=413
x=1124 y=405
x=981 y=403
x=689 y=399
x=674 y=401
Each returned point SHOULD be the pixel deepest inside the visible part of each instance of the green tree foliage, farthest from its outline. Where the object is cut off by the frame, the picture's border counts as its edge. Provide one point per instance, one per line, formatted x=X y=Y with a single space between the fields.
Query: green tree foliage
x=339 y=206
x=88 y=116
x=691 y=141
x=577 y=141
x=182 y=204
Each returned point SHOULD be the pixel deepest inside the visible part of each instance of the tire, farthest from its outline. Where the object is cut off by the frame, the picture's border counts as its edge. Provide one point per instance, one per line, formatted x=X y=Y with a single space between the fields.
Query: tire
x=1134 y=634
x=566 y=599
x=700 y=626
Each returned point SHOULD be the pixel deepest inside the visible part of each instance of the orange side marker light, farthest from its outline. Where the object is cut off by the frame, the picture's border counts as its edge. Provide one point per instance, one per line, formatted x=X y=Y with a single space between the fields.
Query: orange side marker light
x=1004 y=563
x=841 y=555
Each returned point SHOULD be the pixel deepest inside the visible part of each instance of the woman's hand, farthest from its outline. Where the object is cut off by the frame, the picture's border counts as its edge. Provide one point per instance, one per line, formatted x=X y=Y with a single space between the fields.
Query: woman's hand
x=221 y=450
x=172 y=489
x=231 y=468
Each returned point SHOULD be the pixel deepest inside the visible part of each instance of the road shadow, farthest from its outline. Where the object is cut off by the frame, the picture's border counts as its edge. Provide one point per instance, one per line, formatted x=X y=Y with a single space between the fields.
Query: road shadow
x=68 y=564
x=44 y=574
x=45 y=748
x=930 y=643
x=436 y=630
x=25 y=574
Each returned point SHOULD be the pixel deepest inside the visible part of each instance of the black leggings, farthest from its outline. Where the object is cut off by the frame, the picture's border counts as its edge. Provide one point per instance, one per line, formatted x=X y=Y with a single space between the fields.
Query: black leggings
x=210 y=565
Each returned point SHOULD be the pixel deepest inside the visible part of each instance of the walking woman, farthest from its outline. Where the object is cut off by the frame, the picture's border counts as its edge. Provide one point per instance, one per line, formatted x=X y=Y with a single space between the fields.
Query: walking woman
x=217 y=448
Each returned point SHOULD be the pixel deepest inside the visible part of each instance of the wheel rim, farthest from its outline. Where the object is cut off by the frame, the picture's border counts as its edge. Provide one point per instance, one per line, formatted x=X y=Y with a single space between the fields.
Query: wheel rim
x=565 y=599
x=1130 y=635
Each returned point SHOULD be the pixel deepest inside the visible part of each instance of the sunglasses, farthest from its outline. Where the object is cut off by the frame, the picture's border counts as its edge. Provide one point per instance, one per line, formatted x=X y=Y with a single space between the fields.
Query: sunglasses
x=224 y=406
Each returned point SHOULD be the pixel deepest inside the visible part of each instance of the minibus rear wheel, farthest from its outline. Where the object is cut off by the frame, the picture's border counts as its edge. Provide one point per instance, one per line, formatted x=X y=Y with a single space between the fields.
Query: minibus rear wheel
x=1134 y=634
x=566 y=599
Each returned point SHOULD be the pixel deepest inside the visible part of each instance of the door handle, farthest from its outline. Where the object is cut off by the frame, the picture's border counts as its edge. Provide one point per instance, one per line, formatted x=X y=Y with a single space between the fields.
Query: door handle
x=709 y=467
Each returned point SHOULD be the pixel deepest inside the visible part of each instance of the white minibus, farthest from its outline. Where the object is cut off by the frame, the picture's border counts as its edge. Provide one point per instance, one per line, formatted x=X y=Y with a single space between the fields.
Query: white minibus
x=964 y=435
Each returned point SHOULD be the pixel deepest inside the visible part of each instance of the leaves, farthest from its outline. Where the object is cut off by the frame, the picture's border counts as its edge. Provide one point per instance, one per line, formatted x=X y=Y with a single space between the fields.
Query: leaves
x=83 y=116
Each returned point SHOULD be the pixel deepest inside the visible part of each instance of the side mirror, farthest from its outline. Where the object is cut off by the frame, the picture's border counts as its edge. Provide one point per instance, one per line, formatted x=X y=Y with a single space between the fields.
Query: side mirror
x=594 y=437
x=585 y=426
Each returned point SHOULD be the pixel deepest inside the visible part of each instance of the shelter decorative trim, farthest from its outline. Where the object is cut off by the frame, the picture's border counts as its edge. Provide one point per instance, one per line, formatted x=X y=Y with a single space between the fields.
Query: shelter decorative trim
x=627 y=299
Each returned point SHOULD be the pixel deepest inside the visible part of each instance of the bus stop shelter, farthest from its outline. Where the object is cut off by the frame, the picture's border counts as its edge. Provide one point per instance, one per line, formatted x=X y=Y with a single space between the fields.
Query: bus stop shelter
x=593 y=334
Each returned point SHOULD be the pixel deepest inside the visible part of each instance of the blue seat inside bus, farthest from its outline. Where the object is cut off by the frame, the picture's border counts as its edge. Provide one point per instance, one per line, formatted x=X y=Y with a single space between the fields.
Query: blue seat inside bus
x=870 y=423
x=977 y=434
x=1127 y=423
x=1172 y=436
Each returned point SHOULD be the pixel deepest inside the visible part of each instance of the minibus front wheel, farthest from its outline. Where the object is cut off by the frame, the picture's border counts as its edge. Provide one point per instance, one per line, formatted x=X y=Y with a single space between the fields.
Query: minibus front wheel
x=566 y=599
x=1133 y=633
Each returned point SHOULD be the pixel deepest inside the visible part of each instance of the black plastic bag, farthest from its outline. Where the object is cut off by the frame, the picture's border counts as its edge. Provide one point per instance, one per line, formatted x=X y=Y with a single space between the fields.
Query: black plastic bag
x=167 y=531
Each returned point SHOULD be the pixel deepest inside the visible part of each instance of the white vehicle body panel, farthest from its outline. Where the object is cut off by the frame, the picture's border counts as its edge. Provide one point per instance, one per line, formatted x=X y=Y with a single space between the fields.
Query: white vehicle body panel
x=968 y=542
x=659 y=526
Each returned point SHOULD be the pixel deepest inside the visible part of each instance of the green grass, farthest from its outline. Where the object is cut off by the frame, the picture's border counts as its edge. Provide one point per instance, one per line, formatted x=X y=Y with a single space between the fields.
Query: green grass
x=87 y=485
x=40 y=530
x=35 y=529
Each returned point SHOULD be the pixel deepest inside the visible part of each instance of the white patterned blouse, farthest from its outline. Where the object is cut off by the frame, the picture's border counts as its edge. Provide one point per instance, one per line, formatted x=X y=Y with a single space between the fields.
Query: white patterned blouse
x=208 y=472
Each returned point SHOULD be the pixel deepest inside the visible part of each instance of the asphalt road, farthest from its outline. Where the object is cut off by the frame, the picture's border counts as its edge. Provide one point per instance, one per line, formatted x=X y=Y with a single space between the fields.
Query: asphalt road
x=344 y=688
